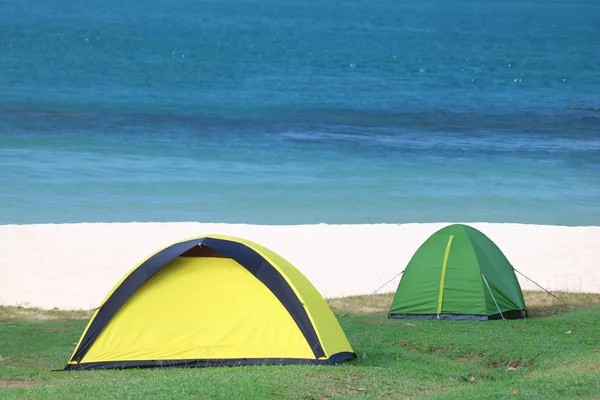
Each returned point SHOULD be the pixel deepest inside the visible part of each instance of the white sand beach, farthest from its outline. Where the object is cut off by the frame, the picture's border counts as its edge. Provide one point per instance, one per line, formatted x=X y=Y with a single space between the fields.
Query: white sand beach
x=73 y=266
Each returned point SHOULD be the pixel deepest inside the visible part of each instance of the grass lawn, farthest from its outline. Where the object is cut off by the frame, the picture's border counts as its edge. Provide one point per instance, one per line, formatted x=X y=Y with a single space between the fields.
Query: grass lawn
x=554 y=354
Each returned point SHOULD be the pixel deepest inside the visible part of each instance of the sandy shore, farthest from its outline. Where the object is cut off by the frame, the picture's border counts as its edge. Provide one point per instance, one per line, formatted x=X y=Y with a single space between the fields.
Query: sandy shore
x=73 y=266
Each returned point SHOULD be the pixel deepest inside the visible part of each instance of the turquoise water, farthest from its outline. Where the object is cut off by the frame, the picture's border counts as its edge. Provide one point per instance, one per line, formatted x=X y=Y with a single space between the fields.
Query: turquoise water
x=300 y=112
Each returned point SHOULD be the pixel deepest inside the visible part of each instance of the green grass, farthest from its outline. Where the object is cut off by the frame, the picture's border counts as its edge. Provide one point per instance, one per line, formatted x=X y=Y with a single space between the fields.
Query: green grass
x=555 y=354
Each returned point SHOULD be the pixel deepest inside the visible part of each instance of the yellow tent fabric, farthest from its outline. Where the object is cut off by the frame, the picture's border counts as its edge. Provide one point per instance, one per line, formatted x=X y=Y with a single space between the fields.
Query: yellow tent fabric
x=211 y=301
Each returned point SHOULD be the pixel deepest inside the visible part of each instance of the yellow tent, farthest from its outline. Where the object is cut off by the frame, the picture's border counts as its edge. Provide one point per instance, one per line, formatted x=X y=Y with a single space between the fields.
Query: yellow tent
x=211 y=301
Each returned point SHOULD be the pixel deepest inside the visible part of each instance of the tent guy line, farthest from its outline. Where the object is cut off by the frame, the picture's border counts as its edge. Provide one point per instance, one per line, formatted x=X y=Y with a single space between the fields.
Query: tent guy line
x=540 y=286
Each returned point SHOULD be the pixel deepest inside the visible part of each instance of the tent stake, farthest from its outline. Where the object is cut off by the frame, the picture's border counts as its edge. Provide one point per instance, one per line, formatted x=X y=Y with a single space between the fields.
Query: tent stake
x=536 y=284
x=495 y=302
x=378 y=289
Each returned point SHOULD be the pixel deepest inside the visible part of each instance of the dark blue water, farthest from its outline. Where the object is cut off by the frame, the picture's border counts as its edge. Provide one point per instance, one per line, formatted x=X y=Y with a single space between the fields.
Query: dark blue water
x=300 y=112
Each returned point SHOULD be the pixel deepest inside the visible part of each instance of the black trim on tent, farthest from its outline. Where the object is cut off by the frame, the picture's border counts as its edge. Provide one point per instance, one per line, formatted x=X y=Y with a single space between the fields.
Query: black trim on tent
x=204 y=363
x=512 y=314
x=133 y=281
x=242 y=254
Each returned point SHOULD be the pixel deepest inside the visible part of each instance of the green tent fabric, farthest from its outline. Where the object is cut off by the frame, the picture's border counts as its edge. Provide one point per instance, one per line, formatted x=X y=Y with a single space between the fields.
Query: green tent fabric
x=458 y=273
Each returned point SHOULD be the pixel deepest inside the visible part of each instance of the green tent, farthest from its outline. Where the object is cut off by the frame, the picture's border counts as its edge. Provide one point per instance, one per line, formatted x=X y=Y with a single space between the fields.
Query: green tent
x=458 y=273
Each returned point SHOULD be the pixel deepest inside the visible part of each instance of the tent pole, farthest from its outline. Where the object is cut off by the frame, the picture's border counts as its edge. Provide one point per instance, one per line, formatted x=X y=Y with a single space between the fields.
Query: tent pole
x=536 y=284
x=443 y=276
x=495 y=302
x=378 y=289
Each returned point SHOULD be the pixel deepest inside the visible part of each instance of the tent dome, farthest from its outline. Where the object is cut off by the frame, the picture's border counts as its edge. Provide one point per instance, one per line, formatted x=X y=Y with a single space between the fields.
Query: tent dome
x=211 y=301
x=458 y=273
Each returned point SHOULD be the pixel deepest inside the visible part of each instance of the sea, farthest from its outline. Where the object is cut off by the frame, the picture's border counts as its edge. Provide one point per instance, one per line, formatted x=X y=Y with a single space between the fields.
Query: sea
x=300 y=112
